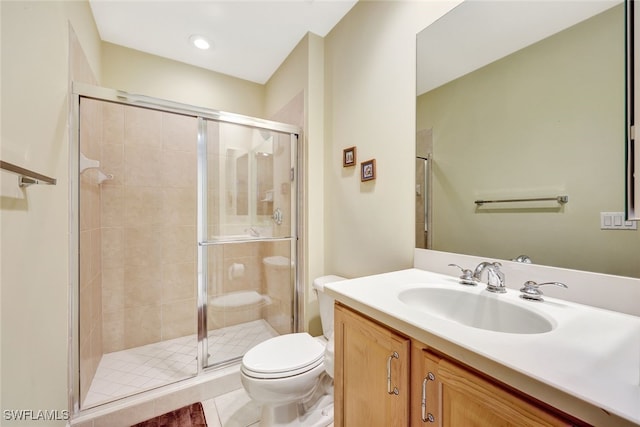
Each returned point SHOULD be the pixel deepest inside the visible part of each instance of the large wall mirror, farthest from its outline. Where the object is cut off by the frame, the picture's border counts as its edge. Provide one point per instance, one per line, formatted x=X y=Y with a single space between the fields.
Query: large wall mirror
x=525 y=100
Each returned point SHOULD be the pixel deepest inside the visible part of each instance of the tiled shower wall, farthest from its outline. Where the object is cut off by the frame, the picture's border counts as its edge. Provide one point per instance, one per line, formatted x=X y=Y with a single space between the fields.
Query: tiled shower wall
x=148 y=226
x=90 y=259
x=149 y=232
x=138 y=235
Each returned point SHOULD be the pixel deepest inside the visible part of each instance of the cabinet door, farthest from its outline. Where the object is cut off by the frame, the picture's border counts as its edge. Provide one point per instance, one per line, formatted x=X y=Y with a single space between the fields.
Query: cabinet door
x=425 y=388
x=470 y=400
x=371 y=373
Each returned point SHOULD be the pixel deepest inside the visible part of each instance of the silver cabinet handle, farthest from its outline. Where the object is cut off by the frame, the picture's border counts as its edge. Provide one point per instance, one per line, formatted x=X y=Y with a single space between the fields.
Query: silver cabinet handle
x=427 y=417
x=395 y=390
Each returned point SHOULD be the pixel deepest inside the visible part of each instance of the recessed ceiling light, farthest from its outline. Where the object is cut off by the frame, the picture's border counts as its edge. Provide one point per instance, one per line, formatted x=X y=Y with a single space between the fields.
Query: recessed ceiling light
x=199 y=42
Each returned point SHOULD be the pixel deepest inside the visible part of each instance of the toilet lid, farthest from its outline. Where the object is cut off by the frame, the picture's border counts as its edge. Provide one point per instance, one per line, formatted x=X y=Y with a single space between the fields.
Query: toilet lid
x=284 y=355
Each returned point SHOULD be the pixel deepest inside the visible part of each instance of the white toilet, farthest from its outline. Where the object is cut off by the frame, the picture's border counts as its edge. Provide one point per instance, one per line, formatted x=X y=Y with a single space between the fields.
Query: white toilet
x=291 y=375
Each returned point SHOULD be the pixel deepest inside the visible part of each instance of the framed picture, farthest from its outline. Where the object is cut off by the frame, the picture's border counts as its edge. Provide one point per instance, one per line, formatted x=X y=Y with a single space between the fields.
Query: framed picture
x=368 y=170
x=349 y=157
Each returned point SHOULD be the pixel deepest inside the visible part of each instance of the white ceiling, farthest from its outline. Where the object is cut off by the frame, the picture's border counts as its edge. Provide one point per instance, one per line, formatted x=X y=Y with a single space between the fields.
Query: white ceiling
x=249 y=38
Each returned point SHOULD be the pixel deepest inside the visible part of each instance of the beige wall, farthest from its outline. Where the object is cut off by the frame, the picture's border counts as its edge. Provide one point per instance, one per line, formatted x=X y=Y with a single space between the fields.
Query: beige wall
x=370 y=103
x=141 y=73
x=574 y=145
x=35 y=222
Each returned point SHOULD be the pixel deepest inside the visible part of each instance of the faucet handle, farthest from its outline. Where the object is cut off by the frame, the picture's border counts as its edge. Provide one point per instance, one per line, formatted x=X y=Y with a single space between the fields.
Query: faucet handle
x=525 y=259
x=530 y=290
x=466 y=278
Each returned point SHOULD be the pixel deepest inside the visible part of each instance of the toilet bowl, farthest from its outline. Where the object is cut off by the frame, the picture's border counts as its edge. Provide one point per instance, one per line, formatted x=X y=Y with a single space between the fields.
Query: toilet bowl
x=288 y=374
x=275 y=372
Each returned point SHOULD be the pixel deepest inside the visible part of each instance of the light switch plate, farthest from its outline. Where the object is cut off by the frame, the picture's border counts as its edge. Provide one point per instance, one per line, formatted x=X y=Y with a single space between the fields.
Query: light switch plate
x=616 y=221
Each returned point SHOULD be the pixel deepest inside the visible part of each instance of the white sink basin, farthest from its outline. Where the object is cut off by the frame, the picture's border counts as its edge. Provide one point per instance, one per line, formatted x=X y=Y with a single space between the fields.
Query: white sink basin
x=481 y=310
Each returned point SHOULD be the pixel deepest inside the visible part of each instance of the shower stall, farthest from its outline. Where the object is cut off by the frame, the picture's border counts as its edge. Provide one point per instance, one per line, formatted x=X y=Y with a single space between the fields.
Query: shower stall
x=186 y=244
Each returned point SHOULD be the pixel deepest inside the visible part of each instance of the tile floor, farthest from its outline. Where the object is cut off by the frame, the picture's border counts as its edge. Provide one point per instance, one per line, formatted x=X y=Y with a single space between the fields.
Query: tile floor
x=233 y=409
x=134 y=370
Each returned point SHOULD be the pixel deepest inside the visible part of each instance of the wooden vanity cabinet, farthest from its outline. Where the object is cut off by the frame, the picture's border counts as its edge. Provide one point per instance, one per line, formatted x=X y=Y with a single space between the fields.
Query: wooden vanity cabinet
x=371 y=373
x=432 y=390
x=456 y=396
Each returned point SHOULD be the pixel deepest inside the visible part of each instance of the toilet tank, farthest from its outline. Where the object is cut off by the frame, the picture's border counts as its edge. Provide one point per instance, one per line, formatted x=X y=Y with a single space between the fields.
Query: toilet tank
x=326 y=303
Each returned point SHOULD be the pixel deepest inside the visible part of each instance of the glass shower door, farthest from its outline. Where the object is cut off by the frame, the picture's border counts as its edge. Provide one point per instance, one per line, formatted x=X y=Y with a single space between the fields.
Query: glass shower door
x=137 y=261
x=175 y=207
x=248 y=237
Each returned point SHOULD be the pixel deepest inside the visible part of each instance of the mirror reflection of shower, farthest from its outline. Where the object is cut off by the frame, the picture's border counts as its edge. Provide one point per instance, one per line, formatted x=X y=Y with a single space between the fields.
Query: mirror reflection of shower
x=424 y=144
x=249 y=182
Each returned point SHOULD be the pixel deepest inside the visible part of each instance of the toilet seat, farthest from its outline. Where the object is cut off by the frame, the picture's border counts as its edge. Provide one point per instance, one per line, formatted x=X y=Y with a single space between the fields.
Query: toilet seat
x=283 y=356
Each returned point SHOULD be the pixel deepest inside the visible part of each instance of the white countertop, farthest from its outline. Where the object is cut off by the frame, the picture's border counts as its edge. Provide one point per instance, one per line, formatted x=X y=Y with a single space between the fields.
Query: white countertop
x=587 y=366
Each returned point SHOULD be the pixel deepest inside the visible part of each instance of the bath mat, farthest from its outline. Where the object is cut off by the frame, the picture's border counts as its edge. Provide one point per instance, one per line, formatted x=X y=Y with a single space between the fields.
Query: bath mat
x=189 y=416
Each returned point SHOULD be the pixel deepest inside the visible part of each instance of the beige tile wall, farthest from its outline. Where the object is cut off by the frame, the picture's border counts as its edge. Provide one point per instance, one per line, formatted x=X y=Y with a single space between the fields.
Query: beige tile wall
x=149 y=226
x=145 y=238
x=90 y=303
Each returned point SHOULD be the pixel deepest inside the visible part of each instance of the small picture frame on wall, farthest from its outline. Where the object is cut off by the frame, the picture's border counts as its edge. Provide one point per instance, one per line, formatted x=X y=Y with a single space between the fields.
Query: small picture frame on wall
x=349 y=157
x=368 y=170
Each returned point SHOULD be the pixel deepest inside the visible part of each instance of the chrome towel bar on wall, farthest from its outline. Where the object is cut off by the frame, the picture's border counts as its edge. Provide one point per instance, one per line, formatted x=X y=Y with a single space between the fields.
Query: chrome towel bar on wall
x=559 y=199
x=25 y=176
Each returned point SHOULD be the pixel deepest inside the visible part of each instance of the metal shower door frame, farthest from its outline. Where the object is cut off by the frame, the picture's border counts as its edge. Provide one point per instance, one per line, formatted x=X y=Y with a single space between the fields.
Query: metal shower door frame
x=81 y=90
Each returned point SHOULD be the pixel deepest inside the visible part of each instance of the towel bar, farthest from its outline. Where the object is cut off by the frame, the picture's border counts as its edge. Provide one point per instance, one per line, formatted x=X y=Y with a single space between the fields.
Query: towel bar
x=25 y=176
x=559 y=199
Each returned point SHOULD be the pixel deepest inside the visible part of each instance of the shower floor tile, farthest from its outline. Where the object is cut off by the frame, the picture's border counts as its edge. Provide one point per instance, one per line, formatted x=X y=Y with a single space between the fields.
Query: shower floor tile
x=126 y=372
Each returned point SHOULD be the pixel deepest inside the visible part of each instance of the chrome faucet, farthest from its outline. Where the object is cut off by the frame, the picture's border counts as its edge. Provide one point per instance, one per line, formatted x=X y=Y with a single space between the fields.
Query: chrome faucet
x=466 y=278
x=531 y=292
x=495 y=277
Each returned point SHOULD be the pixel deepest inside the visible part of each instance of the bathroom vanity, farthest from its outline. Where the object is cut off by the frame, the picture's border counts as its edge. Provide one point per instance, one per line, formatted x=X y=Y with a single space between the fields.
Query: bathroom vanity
x=402 y=359
x=415 y=374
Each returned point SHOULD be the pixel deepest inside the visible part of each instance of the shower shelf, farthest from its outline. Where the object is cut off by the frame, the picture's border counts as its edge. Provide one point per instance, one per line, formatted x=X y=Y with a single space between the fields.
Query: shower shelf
x=87 y=163
x=26 y=177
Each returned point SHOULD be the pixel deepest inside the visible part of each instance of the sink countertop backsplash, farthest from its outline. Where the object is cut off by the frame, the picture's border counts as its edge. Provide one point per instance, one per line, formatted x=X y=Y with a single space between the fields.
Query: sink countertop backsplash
x=587 y=366
x=617 y=293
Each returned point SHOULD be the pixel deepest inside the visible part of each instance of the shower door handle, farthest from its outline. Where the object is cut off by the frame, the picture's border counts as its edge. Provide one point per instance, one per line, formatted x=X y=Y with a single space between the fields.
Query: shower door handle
x=277 y=216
